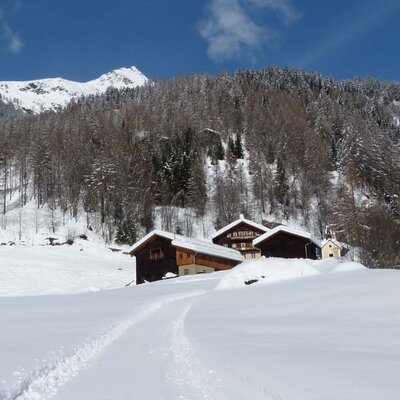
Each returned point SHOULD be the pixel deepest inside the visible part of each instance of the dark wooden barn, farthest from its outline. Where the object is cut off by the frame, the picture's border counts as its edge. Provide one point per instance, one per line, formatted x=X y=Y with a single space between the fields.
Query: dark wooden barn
x=286 y=242
x=239 y=235
x=154 y=258
x=161 y=252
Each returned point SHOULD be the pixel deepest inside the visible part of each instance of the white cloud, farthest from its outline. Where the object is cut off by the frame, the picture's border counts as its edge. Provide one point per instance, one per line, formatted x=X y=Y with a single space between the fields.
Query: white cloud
x=231 y=31
x=284 y=9
x=14 y=42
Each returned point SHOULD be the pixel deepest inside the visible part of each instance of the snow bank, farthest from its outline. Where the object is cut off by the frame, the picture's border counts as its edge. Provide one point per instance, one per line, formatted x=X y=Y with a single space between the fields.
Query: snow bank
x=278 y=269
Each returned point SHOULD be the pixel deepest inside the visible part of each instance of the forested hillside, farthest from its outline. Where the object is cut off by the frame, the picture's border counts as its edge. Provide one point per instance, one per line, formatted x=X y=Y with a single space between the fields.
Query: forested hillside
x=279 y=145
x=8 y=113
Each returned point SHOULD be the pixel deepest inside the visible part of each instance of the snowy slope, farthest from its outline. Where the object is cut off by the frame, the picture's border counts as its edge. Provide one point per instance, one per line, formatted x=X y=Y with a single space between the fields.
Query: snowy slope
x=329 y=334
x=54 y=93
x=30 y=266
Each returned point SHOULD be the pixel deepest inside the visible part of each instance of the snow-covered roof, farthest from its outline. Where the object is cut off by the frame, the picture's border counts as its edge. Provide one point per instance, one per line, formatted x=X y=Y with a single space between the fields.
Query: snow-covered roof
x=144 y=239
x=335 y=242
x=292 y=231
x=237 y=222
x=197 y=245
x=206 y=247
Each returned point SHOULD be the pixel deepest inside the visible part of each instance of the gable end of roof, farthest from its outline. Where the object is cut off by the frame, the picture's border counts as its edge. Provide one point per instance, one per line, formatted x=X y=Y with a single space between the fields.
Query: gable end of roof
x=146 y=238
x=237 y=222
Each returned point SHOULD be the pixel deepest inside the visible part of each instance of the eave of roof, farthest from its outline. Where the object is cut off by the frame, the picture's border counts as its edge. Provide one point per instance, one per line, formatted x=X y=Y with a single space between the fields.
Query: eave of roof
x=208 y=248
x=286 y=229
x=334 y=241
x=237 y=222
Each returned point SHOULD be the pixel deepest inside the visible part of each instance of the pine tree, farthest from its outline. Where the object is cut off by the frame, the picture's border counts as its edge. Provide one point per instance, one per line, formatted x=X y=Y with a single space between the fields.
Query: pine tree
x=231 y=149
x=238 y=149
x=281 y=184
x=176 y=164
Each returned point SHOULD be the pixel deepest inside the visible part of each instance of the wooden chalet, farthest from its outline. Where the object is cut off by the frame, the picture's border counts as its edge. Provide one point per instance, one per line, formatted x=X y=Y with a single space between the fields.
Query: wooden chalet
x=160 y=252
x=239 y=235
x=287 y=242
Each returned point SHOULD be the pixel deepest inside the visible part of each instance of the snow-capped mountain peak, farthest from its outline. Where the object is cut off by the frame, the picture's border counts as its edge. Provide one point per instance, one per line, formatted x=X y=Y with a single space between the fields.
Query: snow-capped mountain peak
x=120 y=78
x=55 y=93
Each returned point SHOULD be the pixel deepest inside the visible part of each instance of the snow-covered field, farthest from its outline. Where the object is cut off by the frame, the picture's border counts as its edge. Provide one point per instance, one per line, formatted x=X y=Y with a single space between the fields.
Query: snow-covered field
x=43 y=270
x=326 y=330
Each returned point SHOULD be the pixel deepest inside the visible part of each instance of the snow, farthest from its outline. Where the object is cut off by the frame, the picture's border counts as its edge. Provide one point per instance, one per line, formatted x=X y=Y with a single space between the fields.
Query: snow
x=144 y=239
x=32 y=267
x=309 y=330
x=82 y=267
x=330 y=240
x=266 y=270
x=170 y=275
x=206 y=247
x=32 y=224
x=55 y=93
x=329 y=336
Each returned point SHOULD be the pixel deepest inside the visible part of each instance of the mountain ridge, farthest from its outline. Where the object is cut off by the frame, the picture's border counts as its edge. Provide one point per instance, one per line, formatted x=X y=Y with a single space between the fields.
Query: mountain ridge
x=38 y=95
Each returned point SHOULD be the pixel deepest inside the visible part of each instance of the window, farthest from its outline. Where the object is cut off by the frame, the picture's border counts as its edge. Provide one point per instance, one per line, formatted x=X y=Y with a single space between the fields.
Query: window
x=234 y=244
x=225 y=244
x=156 y=254
x=253 y=255
x=185 y=271
x=331 y=255
x=243 y=245
x=245 y=233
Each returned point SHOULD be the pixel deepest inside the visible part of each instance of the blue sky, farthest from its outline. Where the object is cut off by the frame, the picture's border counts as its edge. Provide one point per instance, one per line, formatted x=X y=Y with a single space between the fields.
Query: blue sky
x=80 y=40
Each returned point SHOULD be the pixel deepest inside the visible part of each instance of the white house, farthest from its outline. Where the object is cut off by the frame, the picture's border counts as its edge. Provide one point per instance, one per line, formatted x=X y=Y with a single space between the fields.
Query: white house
x=330 y=248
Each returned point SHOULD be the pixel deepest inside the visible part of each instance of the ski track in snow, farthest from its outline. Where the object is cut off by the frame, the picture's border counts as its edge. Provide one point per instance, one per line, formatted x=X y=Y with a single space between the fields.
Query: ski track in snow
x=188 y=374
x=43 y=383
x=193 y=380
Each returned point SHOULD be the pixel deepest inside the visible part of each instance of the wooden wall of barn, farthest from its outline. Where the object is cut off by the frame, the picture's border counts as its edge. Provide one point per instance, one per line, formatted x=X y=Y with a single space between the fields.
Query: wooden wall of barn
x=286 y=245
x=154 y=269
